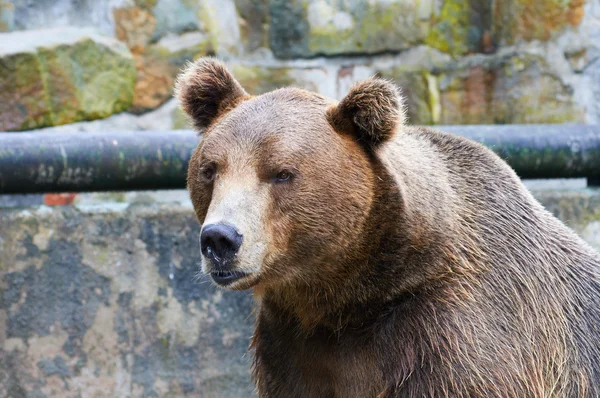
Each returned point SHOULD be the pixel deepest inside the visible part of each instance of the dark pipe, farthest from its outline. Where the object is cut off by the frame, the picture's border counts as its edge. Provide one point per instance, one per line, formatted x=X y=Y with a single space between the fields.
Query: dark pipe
x=541 y=151
x=107 y=161
x=146 y=160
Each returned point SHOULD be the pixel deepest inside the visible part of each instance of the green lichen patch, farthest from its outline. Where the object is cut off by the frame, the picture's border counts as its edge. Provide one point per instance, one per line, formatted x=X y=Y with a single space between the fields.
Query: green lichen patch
x=314 y=27
x=206 y=15
x=461 y=27
x=24 y=99
x=449 y=29
x=107 y=93
x=53 y=83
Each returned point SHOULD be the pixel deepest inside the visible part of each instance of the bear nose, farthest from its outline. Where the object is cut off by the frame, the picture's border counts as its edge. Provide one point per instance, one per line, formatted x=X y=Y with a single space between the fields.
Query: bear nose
x=220 y=242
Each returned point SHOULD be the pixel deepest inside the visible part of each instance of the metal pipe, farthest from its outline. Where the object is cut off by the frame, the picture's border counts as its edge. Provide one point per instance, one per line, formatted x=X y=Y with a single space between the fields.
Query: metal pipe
x=147 y=160
x=541 y=151
x=108 y=161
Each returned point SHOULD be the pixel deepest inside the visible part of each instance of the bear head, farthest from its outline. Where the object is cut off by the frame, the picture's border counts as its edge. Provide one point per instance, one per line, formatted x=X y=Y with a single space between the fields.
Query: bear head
x=283 y=182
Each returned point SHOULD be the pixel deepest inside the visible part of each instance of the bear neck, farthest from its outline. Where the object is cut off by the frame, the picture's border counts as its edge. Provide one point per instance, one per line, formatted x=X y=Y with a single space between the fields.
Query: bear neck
x=383 y=272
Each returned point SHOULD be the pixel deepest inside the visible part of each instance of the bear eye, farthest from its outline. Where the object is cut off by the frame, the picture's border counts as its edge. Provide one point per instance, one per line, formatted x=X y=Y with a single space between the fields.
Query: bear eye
x=209 y=172
x=283 y=176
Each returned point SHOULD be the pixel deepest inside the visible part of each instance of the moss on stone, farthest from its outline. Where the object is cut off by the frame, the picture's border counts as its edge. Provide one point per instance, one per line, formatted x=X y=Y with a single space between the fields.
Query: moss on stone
x=539 y=97
x=119 y=197
x=370 y=28
x=433 y=95
x=24 y=100
x=104 y=82
x=449 y=30
x=306 y=28
x=57 y=71
x=517 y=88
x=64 y=83
x=107 y=93
x=592 y=215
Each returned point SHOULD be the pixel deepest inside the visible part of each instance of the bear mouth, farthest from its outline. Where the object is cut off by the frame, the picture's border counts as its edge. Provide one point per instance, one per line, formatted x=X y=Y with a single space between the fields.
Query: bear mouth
x=225 y=278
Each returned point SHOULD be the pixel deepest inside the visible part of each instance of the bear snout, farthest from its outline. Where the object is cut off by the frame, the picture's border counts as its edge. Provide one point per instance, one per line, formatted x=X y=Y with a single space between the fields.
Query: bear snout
x=220 y=243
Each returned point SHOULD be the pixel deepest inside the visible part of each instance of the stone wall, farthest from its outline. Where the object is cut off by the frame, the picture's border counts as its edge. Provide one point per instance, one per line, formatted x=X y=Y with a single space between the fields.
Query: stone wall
x=458 y=61
x=102 y=298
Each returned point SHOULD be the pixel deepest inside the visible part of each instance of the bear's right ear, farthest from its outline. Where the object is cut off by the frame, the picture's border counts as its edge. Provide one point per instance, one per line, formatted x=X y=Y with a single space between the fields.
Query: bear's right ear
x=206 y=90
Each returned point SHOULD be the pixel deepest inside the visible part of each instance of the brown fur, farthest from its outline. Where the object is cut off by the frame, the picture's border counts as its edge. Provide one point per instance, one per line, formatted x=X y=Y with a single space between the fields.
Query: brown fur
x=372 y=111
x=206 y=90
x=399 y=261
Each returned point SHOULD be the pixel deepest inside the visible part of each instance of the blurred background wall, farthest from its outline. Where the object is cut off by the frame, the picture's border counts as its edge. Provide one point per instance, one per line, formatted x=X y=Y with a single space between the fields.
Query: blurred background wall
x=458 y=61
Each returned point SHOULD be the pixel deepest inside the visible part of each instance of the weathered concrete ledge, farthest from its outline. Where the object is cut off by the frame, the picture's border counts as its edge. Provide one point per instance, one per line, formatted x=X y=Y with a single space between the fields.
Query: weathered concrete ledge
x=102 y=298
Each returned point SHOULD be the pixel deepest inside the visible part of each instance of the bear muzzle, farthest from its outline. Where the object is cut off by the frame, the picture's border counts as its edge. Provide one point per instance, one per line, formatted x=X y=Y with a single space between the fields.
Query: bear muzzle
x=220 y=243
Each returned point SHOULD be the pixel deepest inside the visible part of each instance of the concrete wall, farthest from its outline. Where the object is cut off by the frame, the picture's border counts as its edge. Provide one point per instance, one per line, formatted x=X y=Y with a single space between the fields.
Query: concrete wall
x=102 y=298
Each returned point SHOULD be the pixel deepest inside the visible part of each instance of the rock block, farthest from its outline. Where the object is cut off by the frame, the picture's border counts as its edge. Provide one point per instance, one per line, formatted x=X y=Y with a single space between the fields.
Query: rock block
x=505 y=88
x=160 y=63
x=306 y=28
x=516 y=20
x=60 y=76
x=509 y=87
x=103 y=300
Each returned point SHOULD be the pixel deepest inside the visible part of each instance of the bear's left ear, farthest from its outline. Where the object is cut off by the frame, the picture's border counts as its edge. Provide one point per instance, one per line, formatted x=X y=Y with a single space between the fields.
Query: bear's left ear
x=206 y=90
x=372 y=111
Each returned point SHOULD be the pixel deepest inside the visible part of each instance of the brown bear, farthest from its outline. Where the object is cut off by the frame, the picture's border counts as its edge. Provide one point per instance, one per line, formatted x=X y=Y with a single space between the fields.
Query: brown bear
x=387 y=260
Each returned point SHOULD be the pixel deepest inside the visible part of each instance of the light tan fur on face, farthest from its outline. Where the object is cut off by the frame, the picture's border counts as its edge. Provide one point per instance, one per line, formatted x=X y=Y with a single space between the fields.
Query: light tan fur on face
x=281 y=223
x=241 y=201
x=313 y=219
